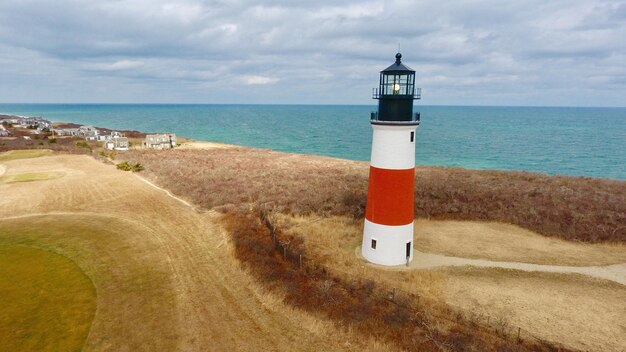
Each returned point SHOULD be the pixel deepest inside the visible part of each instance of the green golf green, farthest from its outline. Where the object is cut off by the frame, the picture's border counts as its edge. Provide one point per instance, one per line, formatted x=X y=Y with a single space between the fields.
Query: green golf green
x=48 y=303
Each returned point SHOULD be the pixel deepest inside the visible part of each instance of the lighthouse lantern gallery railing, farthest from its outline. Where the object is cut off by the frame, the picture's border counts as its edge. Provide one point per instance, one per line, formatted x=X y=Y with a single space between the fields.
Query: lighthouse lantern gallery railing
x=376 y=93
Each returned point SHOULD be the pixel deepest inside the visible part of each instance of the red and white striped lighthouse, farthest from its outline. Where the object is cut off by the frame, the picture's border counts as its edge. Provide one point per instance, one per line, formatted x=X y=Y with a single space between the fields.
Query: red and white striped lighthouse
x=388 y=230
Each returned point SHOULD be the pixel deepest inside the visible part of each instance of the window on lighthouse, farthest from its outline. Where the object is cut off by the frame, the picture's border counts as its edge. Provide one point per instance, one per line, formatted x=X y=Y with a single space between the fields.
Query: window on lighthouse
x=373 y=244
x=396 y=84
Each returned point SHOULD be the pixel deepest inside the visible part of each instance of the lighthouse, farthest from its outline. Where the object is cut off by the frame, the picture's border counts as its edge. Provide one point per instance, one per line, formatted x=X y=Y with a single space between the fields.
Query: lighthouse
x=388 y=229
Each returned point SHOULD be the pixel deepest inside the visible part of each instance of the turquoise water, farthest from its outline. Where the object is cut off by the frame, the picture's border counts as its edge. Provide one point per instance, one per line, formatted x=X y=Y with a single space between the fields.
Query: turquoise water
x=568 y=141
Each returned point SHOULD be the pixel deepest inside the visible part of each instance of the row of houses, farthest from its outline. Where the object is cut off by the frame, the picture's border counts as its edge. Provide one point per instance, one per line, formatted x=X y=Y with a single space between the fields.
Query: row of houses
x=113 y=141
x=152 y=141
x=36 y=123
x=90 y=133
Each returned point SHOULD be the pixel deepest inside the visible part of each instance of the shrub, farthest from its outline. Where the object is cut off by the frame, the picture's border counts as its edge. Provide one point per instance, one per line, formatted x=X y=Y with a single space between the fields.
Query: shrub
x=52 y=140
x=83 y=144
x=126 y=166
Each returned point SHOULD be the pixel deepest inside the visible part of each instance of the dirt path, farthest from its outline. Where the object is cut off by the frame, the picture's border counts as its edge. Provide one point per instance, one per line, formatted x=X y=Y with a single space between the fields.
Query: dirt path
x=168 y=193
x=616 y=272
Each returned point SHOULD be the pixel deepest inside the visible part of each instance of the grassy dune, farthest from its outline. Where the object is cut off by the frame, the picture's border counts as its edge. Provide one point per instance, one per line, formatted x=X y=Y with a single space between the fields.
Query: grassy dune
x=48 y=301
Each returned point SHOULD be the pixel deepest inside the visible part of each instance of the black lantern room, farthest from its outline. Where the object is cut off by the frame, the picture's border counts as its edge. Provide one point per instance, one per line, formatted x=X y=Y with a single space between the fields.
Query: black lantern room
x=396 y=93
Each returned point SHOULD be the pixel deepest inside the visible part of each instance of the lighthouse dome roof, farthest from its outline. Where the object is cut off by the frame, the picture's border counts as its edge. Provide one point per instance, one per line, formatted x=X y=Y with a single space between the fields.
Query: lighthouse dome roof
x=398 y=66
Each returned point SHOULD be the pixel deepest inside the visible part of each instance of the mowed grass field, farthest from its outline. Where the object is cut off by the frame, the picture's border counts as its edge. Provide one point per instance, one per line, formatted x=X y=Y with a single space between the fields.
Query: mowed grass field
x=48 y=301
x=165 y=275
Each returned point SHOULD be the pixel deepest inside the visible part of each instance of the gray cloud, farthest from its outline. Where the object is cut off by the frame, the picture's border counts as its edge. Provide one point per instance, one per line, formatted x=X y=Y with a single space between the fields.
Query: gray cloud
x=478 y=52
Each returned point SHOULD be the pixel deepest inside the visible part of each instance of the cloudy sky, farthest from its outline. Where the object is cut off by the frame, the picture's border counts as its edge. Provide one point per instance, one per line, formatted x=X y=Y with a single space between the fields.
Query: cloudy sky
x=557 y=52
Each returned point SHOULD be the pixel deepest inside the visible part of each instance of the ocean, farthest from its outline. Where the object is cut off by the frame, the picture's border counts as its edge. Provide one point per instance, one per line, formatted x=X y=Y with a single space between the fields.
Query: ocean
x=553 y=140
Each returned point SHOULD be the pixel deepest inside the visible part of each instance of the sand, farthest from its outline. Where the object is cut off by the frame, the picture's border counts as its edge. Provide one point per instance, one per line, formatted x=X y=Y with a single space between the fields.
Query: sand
x=205 y=145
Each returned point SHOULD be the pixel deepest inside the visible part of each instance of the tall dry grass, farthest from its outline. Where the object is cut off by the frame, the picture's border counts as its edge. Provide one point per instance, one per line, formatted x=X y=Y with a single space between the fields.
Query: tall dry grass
x=363 y=305
x=573 y=208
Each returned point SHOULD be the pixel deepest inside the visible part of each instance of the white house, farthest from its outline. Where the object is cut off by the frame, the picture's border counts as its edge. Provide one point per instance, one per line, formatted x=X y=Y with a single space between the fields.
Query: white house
x=117 y=143
x=89 y=132
x=104 y=137
x=160 y=141
x=65 y=131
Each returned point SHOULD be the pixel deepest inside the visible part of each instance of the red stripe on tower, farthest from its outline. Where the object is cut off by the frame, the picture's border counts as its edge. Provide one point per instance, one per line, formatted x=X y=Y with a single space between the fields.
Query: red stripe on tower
x=390 y=196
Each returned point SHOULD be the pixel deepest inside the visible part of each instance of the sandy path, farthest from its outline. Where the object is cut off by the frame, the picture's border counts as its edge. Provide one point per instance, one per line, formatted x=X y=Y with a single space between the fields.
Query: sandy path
x=205 y=145
x=616 y=272
x=2 y=169
x=168 y=193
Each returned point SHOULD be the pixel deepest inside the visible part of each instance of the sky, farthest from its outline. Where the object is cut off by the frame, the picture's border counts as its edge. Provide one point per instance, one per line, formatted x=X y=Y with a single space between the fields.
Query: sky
x=540 y=53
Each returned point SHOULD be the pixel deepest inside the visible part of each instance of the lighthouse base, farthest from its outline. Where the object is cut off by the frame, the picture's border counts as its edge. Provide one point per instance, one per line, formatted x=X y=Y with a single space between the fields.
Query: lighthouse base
x=387 y=245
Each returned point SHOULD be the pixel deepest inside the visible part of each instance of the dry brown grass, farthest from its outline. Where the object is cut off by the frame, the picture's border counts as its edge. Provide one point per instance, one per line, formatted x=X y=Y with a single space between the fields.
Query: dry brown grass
x=572 y=208
x=42 y=142
x=506 y=242
x=545 y=306
x=218 y=177
x=333 y=242
x=581 y=313
x=165 y=275
x=294 y=184
x=376 y=308
x=579 y=209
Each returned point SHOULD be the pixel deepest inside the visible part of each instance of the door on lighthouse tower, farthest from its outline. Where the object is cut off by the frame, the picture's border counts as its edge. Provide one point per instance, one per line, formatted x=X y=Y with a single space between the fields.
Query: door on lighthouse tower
x=408 y=250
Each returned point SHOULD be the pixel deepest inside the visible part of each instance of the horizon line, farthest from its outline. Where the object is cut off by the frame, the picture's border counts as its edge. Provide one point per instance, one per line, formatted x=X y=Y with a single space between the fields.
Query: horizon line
x=325 y=104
